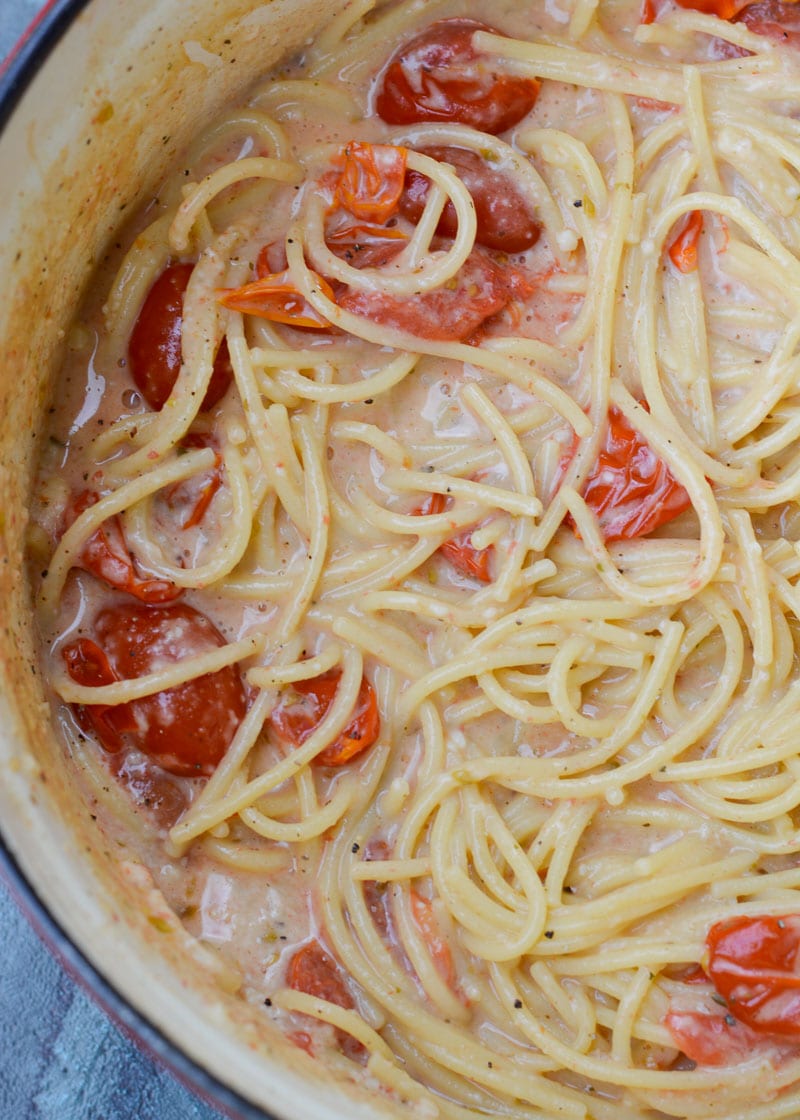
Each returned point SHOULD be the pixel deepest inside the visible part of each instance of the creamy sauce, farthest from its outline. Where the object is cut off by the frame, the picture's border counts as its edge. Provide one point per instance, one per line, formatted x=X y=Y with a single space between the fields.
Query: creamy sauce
x=631 y=835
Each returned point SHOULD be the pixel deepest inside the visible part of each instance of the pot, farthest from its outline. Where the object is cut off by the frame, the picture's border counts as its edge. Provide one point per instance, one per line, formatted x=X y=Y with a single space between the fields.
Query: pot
x=95 y=105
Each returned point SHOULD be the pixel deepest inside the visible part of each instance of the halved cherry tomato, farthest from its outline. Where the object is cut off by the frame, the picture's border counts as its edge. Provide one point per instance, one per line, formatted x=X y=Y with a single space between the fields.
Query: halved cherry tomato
x=754 y=963
x=365 y=246
x=712 y=1039
x=630 y=490
x=302 y=1040
x=425 y=919
x=107 y=556
x=193 y=494
x=438 y=76
x=375 y=895
x=361 y=244
x=149 y=787
x=506 y=219
x=370 y=182
x=724 y=9
x=779 y=20
x=88 y=665
x=450 y=313
x=186 y=729
x=154 y=348
x=276 y=298
x=315 y=972
x=295 y=720
x=271 y=259
x=648 y=12
x=683 y=246
x=694 y=975
x=459 y=551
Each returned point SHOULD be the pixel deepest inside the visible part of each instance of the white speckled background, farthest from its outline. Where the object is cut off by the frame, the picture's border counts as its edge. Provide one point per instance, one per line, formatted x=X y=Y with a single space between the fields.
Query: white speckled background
x=60 y=1056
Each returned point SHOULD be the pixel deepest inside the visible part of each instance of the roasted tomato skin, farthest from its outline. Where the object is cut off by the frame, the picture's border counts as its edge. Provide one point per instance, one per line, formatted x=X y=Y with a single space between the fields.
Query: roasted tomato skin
x=682 y=250
x=481 y=289
x=107 y=556
x=424 y=915
x=294 y=721
x=459 y=550
x=154 y=348
x=506 y=220
x=314 y=971
x=724 y=9
x=438 y=76
x=193 y=497
x=776 y=19
x=711 y=1039
x=370 y=180
x=754 y=963
x=275 y=298
x=365 y=246
x=186 y=729
x=630 y=489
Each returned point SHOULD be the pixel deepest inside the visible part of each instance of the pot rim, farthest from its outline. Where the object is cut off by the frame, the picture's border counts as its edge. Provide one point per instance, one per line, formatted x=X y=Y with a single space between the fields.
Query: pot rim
x=17 y=72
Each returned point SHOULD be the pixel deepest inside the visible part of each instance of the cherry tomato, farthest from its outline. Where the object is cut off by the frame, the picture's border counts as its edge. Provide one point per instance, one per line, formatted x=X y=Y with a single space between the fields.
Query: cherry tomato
x=315 y=972
x=754 y=963
x=186 y=729
x=458 y=551
x=694 y=974
x=107 y=556
x=154 y=349
x=194 y=496
x=277 y=299
x=363 y=245
x=425 y=920
x=506 y=219
x=294 y=721
x=371 y=180
x=438 y=76
x=271 y=259
x=779 y=20
x=149 y=787
x=724 y=9
x=683 y=247
x=631 y=490
x=375 y=894
x=302 y=1040
x=480 y=290
x=88 y=665
x=712 y=1039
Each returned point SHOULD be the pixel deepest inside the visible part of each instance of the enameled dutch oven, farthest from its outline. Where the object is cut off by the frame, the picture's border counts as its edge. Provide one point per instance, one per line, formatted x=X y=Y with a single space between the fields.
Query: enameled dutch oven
x=93 y=107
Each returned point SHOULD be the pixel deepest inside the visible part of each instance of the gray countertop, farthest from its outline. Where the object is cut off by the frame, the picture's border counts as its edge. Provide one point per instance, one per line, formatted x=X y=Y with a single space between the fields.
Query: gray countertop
x=61 y=1058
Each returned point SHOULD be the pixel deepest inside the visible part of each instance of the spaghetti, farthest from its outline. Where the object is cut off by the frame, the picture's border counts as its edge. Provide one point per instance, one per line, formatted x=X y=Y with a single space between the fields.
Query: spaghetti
x=425 y=557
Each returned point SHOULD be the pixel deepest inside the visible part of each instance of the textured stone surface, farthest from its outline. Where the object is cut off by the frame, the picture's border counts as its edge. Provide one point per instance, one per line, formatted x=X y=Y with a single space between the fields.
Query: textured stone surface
x=60 y=1056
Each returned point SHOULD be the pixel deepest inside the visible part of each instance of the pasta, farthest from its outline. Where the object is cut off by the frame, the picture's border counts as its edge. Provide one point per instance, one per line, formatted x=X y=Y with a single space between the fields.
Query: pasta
x=418 y=540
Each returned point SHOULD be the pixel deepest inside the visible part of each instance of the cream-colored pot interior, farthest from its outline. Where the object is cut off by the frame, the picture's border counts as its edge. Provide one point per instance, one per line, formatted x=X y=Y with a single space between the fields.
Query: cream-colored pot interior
x=110 y=107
